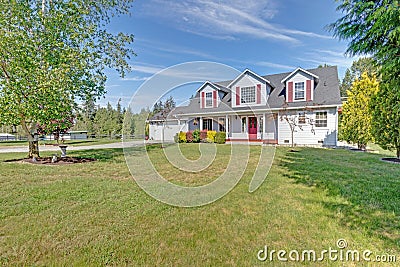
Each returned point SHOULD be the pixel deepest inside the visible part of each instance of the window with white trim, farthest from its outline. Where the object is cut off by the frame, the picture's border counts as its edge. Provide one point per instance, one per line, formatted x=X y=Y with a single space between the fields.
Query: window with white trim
x=248 y=94
x=299 y=92
x=209 y=100
x=207 y=124
x=221 y=123
x=302 y=118
x=244 y=125
x=321 y=119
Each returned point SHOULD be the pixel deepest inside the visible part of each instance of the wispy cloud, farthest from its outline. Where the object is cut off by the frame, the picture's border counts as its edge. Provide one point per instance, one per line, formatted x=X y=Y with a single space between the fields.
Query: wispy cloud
x=136 y=78
x=228 y=19
x=330 y=57
x=148 y=69
x=274 y=65
x=331 y=52
x=142 y=72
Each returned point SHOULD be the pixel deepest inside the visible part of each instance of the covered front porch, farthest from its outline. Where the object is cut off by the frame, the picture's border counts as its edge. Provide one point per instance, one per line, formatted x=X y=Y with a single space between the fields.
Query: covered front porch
x=260 y=128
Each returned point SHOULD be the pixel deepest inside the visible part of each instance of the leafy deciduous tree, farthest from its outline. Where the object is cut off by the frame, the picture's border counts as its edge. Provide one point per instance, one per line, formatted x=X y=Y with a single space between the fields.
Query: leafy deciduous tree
x=295 y=122
x=54 y=52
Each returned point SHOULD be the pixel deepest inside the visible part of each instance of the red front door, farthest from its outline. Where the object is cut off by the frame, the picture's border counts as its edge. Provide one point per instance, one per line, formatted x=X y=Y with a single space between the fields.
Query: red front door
x=252 y=128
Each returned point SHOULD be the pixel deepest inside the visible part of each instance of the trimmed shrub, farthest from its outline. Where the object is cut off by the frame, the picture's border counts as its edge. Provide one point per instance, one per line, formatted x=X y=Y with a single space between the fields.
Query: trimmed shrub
x=189 y=137
x=220 y=138
x=182 y=137
x=176 y=138
x=211 y=136
x=196 y=136
x=203 y=135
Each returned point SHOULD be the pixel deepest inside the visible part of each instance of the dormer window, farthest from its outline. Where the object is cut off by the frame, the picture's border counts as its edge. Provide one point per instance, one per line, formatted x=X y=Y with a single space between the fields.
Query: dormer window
x=248 y=94
x=299 y=91
x=209 y=100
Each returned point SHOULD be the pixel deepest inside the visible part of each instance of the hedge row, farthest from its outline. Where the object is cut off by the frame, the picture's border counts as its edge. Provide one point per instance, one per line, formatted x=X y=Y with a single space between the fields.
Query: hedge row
x=198 y=136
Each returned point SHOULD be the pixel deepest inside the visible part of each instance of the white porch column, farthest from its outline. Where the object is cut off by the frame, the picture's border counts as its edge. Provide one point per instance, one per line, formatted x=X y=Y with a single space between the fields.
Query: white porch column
x=201 y=123
x=227 y=126
x=263 y=129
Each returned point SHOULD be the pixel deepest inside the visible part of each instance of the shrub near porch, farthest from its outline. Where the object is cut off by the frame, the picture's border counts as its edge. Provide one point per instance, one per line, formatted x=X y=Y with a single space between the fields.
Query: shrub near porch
x=197 y=136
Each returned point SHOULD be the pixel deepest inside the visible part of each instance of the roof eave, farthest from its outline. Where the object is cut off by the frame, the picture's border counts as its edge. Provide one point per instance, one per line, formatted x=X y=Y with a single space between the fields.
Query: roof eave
x=299 y=69
x=253 y=73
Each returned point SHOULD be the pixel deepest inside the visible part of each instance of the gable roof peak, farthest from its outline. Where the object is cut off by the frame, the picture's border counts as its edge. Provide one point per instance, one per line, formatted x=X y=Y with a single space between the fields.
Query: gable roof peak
x=296 y=70
x=244 y=73
x=210 y=83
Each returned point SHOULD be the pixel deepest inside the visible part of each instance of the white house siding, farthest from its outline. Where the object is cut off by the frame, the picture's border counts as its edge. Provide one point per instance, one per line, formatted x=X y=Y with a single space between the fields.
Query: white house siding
x=270 y=127
x=236 y=128
x=325 y=136
x=170 y=130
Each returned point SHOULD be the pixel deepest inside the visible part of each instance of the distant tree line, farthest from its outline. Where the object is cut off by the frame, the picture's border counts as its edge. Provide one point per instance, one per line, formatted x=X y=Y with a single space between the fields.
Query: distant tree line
x=104 y=121
x=114 y=122
x=109 y=121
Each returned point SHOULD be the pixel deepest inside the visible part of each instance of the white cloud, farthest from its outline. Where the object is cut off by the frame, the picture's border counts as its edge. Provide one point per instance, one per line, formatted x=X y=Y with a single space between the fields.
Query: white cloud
x=274 y=65
x=329 y=57
x=148 y=69
x=135 y=78
x=227 y=19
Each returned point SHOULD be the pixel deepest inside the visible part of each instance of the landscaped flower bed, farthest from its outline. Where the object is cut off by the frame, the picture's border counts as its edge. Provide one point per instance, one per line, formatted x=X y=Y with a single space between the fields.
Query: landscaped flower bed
x=203 y=136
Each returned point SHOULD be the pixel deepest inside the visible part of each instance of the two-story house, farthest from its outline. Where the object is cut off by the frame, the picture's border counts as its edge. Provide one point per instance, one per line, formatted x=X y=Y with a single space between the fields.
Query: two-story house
x=253 y=108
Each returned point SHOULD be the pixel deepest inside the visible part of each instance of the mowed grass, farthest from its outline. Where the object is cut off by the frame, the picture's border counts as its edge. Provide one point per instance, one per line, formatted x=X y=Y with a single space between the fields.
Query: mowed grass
x=84 y=142
x=94 y=214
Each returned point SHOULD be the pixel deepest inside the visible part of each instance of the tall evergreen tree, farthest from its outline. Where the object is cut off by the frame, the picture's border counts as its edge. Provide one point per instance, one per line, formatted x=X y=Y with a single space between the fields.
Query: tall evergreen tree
x=358 y=67
x=386 y=117
x=355 y=124
x=372 y=27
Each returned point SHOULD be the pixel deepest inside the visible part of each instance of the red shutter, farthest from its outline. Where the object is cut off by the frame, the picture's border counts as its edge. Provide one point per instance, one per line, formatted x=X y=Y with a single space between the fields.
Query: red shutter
x=203 y=100
x=290 y=92
x=258 y=93
x=308 y=90
x=214 y=99
x=238 y=96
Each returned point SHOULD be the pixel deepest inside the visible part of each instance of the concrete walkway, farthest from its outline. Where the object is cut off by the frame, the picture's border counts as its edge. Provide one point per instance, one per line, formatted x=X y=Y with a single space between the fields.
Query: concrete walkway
x=42 y=148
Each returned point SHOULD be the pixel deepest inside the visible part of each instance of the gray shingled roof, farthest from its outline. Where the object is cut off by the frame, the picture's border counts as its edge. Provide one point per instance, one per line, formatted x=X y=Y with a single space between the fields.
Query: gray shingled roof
x=326 y=92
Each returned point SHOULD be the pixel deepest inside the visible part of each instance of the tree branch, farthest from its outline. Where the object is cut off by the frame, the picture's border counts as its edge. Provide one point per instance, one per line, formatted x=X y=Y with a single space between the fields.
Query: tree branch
x=5 y=71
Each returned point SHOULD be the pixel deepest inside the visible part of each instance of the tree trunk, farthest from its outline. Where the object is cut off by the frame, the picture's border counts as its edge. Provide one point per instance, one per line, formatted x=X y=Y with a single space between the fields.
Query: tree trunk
x=33 y=149
x=33 y=144
x=292 y=140
x=398 y=152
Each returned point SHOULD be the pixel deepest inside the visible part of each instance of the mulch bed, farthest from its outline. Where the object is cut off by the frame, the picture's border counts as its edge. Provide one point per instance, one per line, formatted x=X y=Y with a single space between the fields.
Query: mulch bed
x=392 y=160
x=60 y=161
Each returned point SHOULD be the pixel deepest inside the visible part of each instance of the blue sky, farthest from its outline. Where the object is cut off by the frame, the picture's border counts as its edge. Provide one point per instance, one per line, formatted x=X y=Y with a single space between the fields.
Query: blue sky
x=266 y=37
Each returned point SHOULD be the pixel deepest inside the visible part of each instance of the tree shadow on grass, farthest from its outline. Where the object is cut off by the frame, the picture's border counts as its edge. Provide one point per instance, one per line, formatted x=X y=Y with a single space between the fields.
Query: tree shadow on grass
x=368 y=190
x=115 y=155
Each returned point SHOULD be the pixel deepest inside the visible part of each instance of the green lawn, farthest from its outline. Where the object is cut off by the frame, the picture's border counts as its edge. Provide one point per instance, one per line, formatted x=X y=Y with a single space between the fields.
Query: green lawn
x=94 y=214
x=86 y=142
